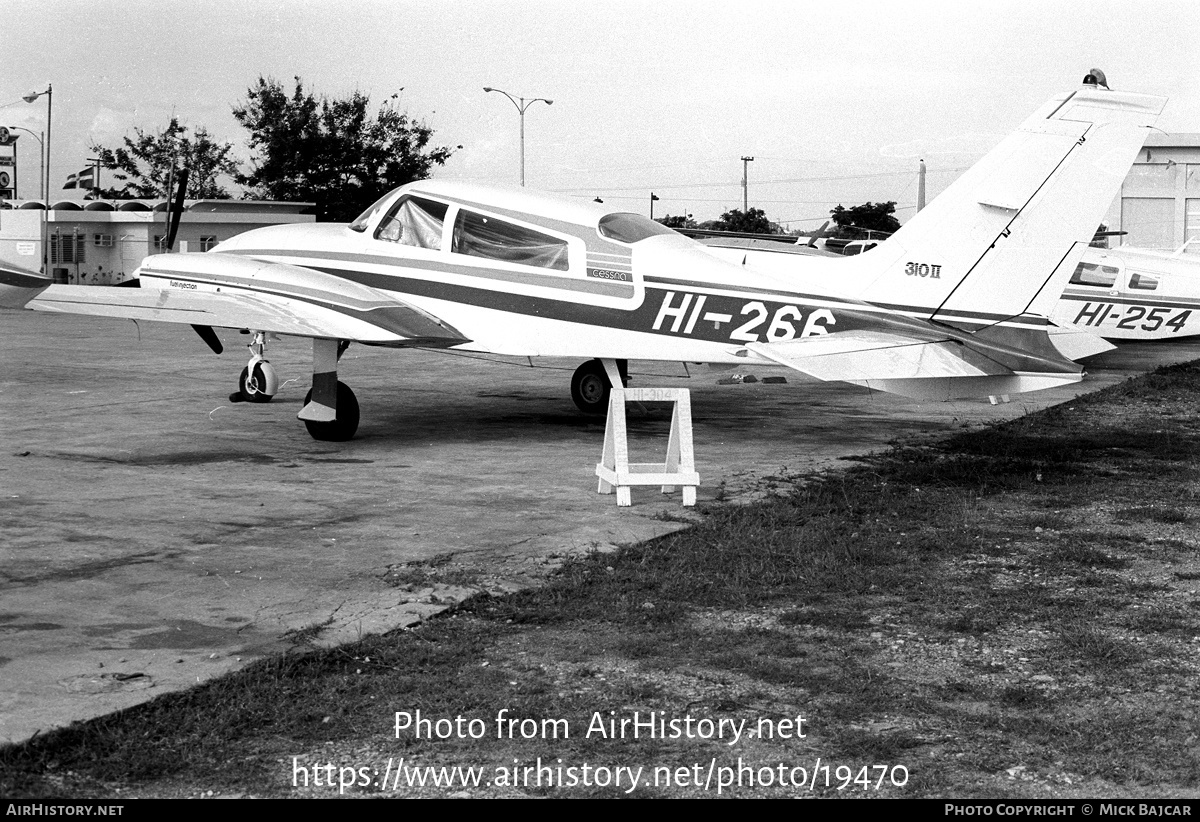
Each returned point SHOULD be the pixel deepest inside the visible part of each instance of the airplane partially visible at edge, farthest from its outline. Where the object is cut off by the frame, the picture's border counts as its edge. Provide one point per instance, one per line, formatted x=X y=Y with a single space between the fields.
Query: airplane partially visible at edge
x=1129 y=293
x=953 y=305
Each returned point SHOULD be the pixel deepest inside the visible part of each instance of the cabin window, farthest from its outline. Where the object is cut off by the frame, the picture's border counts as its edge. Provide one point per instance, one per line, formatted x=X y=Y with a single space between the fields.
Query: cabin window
x=480 y=236
x=1103 y=276
x=1143 y=282
x=629 y=228
x=414 y=221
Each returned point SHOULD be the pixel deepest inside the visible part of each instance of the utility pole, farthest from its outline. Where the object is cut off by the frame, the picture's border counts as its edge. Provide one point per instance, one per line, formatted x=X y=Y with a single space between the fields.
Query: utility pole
x=653 y=197
x=746 y=184
x=921 y=187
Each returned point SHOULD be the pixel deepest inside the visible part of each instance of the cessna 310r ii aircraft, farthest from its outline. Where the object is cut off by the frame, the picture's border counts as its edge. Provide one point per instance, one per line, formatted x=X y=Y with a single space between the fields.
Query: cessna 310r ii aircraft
x=955 y=304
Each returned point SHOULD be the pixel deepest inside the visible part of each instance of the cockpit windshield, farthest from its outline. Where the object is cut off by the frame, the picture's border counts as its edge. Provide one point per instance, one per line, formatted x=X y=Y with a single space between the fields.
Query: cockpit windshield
x=626 y=227
x=363 y=220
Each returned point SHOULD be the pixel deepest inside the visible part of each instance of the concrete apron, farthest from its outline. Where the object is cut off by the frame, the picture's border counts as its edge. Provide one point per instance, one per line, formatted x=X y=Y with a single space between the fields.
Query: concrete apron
x=157 y=535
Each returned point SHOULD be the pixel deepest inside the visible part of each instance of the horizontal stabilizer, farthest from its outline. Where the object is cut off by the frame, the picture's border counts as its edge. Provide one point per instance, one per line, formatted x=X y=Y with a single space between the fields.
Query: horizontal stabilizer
x=855 y=356
x=958 y=388
x=1075 y=343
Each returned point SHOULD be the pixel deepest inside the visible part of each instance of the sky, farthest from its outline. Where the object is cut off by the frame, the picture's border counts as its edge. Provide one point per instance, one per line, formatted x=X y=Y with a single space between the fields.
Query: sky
x=836 y=101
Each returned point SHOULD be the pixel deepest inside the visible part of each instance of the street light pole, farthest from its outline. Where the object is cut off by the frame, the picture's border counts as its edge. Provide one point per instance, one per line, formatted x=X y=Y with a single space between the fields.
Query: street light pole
x=746 y=184
x=29 y=98
x=521 y=106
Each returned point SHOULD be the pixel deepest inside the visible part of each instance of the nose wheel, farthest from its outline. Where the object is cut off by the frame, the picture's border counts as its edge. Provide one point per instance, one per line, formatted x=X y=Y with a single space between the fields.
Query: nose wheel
x=258 y=381
x=255 y=384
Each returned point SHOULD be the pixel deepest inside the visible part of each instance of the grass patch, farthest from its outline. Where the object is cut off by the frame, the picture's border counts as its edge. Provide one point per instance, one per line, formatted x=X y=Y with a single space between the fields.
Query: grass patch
x=1095 y=645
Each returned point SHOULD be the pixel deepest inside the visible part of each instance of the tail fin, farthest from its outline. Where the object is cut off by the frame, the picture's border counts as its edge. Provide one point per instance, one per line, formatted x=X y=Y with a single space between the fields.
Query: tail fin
x=996 y=242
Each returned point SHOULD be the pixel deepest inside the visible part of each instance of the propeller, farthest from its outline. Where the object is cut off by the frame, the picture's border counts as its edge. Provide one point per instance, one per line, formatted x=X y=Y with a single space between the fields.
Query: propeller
x=818 y=234
x=176 y=212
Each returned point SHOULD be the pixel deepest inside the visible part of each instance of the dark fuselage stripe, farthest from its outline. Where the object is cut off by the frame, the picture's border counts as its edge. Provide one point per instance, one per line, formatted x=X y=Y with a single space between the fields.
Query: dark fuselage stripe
x=604 y=288
x=1127 y=299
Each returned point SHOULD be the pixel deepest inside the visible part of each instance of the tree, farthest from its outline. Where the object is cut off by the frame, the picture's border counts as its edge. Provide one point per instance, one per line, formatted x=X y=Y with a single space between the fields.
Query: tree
x=677 y=221
x=860 y=221
x=331 y=152
x=144 y=163
x=752 y=221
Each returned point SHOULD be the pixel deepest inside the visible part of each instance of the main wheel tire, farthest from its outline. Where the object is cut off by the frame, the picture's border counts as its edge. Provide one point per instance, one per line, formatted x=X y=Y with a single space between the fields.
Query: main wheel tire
x=251 y=385
x=590 y=388
x=342 y=428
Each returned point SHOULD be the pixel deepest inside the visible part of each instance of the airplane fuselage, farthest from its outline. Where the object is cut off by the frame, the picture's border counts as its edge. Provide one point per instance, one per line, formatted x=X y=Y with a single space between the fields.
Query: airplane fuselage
x=645 y=296
x=1134 y=294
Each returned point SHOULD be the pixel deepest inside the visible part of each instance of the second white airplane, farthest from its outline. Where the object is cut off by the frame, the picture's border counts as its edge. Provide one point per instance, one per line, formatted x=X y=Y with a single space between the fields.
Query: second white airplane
x=1131 y=293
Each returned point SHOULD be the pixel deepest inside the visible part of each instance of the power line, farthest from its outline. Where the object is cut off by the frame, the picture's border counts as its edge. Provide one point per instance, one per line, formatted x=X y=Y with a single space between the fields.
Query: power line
x=656 y=186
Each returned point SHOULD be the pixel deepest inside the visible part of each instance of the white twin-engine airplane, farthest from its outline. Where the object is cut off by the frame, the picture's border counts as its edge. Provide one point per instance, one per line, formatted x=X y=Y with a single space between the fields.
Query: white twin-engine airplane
x=955 y=304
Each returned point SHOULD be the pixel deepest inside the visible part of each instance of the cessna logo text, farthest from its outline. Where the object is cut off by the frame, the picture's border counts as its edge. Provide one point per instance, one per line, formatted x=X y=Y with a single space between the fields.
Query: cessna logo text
x=933 y=272
x=608 y=274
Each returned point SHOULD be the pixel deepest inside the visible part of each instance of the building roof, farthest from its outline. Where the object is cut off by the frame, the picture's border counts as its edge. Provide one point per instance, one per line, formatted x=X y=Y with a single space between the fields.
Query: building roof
x=159 y=205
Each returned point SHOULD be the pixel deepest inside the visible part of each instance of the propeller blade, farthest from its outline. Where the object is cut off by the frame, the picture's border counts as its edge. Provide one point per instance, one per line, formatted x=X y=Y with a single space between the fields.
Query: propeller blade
x=209 y=336
x=177 y=212
x=818 y=234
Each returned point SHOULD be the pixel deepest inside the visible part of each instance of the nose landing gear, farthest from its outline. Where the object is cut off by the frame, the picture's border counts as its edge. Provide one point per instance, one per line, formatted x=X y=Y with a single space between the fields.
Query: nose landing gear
x=258 y=381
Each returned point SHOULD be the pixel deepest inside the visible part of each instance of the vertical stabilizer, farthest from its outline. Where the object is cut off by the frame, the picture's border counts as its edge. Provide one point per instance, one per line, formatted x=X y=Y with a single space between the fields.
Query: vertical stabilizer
x=997 y=242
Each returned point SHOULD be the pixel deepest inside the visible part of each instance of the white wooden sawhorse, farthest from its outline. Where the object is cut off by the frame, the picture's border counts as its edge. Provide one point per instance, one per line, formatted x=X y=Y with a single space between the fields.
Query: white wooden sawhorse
x=617 y=473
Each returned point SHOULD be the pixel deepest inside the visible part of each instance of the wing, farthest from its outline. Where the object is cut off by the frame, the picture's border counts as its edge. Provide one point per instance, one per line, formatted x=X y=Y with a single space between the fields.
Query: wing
x=226 y=291
x=19 y=285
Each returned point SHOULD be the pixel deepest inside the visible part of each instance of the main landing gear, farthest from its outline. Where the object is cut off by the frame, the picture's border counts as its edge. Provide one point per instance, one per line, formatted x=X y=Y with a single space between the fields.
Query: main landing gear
x=591 y=386
x=345 y=422
x=330 y=410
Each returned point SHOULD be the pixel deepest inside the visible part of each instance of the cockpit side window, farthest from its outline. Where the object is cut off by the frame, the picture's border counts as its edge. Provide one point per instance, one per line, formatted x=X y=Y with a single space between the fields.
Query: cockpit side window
x=1143 y=281
x=629 y=228
x=1103 y=276
x=414 y=221
x=480 y=236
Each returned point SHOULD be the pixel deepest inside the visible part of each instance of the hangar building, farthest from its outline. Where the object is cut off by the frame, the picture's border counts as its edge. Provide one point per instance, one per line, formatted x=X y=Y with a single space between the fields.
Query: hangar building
x=101 y=242
x=1159 y=205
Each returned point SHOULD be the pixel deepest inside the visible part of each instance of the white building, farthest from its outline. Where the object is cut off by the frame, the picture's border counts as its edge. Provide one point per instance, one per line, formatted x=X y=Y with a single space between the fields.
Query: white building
x=1159 y=205
x=101 y=242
